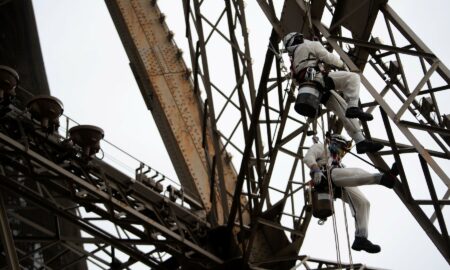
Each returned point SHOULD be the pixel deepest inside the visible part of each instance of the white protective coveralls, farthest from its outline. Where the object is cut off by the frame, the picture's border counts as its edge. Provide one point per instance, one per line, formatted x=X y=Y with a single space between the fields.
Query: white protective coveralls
x=348 y=179
x=306 y=55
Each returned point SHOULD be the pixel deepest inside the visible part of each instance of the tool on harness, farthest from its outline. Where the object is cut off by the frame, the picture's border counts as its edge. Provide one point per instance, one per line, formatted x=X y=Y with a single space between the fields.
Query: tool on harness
x=311 y=91
x=322 y=200
x=308 y=99
x=322 y=206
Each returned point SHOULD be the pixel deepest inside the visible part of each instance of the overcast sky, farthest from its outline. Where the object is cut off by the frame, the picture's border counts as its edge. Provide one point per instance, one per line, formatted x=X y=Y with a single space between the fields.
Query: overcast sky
x=88 y=70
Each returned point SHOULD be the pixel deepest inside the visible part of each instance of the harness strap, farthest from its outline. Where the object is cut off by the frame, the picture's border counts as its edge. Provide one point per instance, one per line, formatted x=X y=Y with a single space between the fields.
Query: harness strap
x=337 y=191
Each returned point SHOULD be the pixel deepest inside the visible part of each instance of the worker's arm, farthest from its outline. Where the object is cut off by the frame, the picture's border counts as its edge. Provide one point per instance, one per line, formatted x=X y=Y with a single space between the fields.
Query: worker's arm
x=313 y=154
x=327 y=57
x=292 y=74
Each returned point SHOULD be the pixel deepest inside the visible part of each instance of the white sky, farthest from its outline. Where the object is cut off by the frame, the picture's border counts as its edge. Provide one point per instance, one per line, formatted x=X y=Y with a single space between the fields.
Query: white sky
x=88 y=70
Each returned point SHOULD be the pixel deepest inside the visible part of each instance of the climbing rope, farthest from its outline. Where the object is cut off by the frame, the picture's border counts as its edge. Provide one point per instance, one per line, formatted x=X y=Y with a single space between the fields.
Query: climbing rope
x=331 y=194
x=346 y=230
x=286 y=75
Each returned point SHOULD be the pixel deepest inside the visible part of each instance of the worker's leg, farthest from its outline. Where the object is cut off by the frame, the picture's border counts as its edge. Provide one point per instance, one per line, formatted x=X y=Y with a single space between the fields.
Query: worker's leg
x=348 y=83
x=352 y=177
x=360 y=207
x=338 y=105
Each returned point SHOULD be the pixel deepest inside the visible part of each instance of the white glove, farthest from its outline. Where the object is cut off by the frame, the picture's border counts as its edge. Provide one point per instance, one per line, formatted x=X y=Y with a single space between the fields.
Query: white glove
x=317 y=177
x=344 y=67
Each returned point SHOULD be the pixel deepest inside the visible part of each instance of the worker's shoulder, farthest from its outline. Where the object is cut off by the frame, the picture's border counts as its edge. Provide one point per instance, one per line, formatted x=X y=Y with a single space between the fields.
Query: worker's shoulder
x=311 y=45
x=312 y=42
x=317 y=146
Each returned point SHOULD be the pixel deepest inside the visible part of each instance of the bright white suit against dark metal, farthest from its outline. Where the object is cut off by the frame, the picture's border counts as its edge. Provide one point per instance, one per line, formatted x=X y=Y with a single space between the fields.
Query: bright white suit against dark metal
x=305 y=53
x=322 y=160
x=348 y=179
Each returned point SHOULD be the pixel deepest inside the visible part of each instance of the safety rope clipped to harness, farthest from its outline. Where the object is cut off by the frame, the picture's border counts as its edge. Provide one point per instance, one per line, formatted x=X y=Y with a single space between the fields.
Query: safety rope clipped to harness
x=331 y=193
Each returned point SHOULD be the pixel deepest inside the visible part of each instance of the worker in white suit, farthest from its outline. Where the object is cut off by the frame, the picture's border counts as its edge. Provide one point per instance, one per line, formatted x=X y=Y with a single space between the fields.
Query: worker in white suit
x=319 y=159
x=306 y=54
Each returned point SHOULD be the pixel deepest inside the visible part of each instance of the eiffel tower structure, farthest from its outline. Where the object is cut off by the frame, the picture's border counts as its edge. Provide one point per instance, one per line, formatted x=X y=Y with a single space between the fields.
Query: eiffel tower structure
x=242 y=198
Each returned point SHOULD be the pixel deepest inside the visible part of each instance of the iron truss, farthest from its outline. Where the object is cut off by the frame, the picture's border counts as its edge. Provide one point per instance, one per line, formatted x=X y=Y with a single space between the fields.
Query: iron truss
x=86 y=210
x=118 y=221
x=263 y=135
x=267 y=202
x=267 y=133
x=347 y=27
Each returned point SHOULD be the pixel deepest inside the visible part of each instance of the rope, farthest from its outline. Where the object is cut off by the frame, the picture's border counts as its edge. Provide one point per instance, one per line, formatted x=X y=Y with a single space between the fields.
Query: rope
x=346 y=230
x=331 y=194
x=286 y=74
x=308 y=14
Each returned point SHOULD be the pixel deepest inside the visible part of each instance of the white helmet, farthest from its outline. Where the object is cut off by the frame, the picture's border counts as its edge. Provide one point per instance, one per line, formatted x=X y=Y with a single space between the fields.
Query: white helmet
x=292 y=39
x=338 y=141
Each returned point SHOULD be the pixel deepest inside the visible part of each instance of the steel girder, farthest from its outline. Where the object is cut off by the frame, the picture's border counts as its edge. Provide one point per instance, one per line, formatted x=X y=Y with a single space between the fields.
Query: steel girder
x=122 y=221
x=245 y=134
x=185 y=119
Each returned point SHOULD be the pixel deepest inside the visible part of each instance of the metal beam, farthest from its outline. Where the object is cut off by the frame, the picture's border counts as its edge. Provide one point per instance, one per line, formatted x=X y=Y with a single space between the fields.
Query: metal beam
x=176 y=107
x=7 y=239
x=105 y=196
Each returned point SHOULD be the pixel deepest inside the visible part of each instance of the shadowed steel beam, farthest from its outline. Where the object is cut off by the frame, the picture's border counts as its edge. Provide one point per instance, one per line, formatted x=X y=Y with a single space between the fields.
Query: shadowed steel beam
x=413 y=95
x=437 y=169
x=118 y=205
x=7 y=240
x=252 y=130
x=409 y=34
x=212 y=115
x=382 y=47
x=266 y=180
x=445 y=197
x=435 y=201
x=268 y=11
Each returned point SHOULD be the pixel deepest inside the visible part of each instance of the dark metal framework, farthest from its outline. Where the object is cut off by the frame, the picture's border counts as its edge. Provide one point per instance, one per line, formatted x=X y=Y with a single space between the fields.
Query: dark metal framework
x=123 y=221
x=395 y=78
x=387 y=71
x=265 y=137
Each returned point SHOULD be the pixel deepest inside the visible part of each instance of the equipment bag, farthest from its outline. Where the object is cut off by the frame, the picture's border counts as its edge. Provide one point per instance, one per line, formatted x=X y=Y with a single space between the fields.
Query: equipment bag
x=321 y=204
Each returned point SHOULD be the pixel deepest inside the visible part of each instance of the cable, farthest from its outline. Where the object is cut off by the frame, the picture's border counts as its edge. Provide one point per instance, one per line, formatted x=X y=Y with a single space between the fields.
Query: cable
x=124 y=165
x=346 y=230
x=371 y=164
x=331 y=194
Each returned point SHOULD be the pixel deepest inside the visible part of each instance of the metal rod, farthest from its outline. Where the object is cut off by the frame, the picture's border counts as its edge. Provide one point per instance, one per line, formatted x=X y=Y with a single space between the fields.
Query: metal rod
x=7 y=238
x=416 y=91
x=437 y=209
x=252 y=130
x=212 y=118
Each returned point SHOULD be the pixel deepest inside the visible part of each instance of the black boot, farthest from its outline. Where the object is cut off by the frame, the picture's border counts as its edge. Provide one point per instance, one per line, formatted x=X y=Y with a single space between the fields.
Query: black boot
x=388 y=179
x=355 y=112
x=362 y=243
x=367 y=146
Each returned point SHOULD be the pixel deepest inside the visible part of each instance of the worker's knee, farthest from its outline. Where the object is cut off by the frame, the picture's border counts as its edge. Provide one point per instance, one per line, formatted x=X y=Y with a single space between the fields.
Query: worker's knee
x=354 y=77
x=365 y=203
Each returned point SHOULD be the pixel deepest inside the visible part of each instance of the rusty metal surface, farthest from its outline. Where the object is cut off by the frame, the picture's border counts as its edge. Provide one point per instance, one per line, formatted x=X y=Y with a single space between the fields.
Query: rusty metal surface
x=169 y=94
